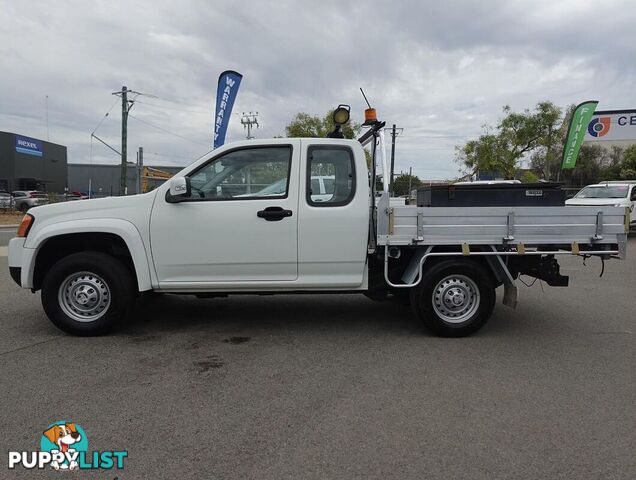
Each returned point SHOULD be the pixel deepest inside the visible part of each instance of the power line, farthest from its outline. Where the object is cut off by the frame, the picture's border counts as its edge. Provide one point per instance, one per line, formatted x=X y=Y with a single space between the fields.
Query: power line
x=167 y=131
x=169 y=155
x=105 y=115
x=198 y=112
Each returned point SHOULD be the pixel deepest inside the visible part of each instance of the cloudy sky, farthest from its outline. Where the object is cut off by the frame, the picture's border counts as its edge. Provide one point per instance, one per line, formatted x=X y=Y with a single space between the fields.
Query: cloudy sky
x=440 y=70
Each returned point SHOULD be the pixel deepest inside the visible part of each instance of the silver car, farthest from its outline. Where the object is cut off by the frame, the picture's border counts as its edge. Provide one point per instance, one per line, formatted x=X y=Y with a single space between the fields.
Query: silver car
x=25 y=199
x=6 y=201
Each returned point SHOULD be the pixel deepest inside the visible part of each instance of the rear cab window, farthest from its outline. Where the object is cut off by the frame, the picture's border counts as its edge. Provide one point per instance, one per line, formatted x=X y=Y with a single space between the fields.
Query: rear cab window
x=330 y=176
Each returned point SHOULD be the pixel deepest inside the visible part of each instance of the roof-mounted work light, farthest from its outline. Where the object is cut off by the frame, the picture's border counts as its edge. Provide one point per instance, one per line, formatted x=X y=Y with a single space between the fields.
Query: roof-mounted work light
x=340 y=117
x=341 y=114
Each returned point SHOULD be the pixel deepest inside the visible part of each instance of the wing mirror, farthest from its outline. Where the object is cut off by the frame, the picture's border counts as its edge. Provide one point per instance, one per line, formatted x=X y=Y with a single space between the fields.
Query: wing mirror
x=179 y=189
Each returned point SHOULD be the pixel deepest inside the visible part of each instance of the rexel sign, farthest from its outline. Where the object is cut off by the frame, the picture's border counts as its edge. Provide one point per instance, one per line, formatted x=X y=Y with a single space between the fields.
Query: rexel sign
x=28 y=146
x=612 y=125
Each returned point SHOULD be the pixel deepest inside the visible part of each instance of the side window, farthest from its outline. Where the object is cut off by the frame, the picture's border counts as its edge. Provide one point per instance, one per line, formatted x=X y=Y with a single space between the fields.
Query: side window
x=330 y=176
x=633 y=197
x=249 y=173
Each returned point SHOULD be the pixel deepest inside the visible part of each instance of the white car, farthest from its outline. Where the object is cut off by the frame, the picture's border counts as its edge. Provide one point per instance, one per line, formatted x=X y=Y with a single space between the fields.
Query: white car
x=322 y=188
x=612 y=194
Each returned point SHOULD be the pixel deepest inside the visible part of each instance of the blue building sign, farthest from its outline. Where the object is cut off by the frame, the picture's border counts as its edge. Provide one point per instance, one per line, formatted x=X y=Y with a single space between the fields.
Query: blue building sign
x=28 y=146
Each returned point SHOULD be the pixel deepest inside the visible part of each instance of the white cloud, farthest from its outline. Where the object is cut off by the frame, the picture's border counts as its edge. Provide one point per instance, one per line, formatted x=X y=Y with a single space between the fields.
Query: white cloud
x=439 y=70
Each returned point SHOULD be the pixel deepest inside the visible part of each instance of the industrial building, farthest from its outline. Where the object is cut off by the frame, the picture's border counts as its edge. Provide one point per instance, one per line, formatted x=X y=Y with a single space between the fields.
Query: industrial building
x=104 y=179
x=31 y=164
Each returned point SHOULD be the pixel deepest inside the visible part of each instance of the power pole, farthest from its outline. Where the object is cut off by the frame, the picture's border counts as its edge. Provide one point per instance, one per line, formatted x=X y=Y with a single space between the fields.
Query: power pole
x=125 y=108
x=394 y=133
x=410 y=179
x=247 y=120
x=140 y=168
x=46 y=107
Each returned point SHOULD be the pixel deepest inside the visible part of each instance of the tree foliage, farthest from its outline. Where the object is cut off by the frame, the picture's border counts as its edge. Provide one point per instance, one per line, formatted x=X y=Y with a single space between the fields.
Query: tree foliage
x=307 y=125
x=502 y=148
x=628 y=166
x=401 y=184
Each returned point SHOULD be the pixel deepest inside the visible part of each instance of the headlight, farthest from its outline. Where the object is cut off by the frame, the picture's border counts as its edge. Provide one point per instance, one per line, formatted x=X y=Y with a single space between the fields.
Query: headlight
x=25 y=225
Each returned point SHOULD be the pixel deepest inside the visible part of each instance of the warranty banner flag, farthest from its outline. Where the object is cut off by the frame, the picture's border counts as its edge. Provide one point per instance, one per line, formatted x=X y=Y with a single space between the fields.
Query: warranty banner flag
x=576 y=132
x=229 y=82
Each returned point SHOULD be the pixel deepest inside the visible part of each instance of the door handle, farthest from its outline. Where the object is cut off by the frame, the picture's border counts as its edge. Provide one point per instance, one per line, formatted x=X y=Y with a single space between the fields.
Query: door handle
x=274 y=214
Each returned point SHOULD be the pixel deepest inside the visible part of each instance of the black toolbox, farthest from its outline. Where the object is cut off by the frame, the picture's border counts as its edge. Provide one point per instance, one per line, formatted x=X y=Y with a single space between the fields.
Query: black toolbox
x=492 y=195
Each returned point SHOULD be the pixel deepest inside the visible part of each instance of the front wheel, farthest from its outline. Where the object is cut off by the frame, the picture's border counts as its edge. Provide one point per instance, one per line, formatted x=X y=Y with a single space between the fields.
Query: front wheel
x=455 y=298
x=87 y=293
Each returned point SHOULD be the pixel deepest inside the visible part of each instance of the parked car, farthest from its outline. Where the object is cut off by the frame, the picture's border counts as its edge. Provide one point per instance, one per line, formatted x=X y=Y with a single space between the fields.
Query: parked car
x=322 y=188
x=72 y=196
x=615 y=194
x=81 y=195
x=25 y=199
x=6 y=200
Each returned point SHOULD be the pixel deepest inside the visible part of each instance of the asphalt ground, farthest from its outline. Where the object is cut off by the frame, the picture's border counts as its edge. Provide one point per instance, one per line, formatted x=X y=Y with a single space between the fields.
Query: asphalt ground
x=336 y=386
x=6 y=234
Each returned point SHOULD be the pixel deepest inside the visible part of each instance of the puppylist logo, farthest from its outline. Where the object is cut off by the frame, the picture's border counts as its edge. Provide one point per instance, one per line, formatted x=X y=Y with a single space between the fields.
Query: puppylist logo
x=64 y=446
x=599 y=127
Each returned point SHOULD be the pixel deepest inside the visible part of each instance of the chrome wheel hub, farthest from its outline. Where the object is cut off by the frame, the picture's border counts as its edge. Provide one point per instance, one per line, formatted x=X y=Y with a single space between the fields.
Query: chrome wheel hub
x=84 y=296
x=455 y=298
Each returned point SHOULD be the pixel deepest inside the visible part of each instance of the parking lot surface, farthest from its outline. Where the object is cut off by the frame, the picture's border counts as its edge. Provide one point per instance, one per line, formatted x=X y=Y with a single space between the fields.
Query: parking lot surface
x=336 y=386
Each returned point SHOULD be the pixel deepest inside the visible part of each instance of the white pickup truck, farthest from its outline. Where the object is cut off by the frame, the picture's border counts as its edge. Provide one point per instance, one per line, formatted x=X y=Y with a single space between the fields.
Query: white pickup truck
x=208 y=231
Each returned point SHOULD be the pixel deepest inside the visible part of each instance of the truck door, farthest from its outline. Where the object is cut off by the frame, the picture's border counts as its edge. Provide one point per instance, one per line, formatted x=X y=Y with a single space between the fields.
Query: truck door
x=333 y=215
x=239 y=224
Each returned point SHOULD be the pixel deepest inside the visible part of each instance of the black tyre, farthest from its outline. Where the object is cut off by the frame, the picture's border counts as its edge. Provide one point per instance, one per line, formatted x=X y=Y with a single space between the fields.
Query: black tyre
x=23 y=207
x=455 y=298
x=88 y=293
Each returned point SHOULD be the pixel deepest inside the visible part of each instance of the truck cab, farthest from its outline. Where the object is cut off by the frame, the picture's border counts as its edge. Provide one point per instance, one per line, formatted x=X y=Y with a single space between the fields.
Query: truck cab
x=245 y=218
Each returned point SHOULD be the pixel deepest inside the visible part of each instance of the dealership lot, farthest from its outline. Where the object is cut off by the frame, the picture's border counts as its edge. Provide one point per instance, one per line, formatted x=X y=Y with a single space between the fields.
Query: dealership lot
x=337 y=386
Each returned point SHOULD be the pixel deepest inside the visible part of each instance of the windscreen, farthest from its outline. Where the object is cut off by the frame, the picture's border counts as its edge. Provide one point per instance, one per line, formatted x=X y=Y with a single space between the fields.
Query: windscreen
x=605 y=191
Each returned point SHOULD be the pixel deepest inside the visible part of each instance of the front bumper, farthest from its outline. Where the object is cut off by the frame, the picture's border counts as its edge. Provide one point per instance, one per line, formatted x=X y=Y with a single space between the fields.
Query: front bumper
x=20 y=262
x=16 y=274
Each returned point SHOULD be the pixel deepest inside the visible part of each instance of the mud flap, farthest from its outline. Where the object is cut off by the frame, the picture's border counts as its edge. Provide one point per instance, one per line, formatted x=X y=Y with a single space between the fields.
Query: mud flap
x=510 y=295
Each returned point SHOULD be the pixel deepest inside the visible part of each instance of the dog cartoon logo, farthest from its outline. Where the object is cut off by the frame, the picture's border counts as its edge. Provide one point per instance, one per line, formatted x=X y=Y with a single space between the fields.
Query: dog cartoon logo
x=66 y=438
x=599 y=127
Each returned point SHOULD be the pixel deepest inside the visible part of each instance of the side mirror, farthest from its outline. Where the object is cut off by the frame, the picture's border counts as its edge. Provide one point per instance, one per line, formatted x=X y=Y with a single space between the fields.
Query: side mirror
x=179 y=189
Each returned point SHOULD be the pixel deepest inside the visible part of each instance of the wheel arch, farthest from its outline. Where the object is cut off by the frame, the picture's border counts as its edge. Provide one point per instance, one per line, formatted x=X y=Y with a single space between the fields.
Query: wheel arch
x=115 y=236
x=411 y=272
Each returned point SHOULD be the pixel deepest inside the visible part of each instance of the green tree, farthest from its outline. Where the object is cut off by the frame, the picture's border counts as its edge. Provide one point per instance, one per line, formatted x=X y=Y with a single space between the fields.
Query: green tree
x=546 y=157
x=501 y=149
x=307 y=125
x=588 y=166
x=529 y=176
x=628 y=165
x=401 y=184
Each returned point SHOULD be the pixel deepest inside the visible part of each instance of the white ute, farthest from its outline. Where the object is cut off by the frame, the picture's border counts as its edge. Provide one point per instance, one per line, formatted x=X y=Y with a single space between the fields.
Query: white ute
x=208 y=232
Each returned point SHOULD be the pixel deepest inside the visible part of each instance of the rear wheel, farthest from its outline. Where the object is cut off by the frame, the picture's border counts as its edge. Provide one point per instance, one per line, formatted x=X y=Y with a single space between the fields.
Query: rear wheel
x=455 y=298
x=23 y=207
x=87 y=293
